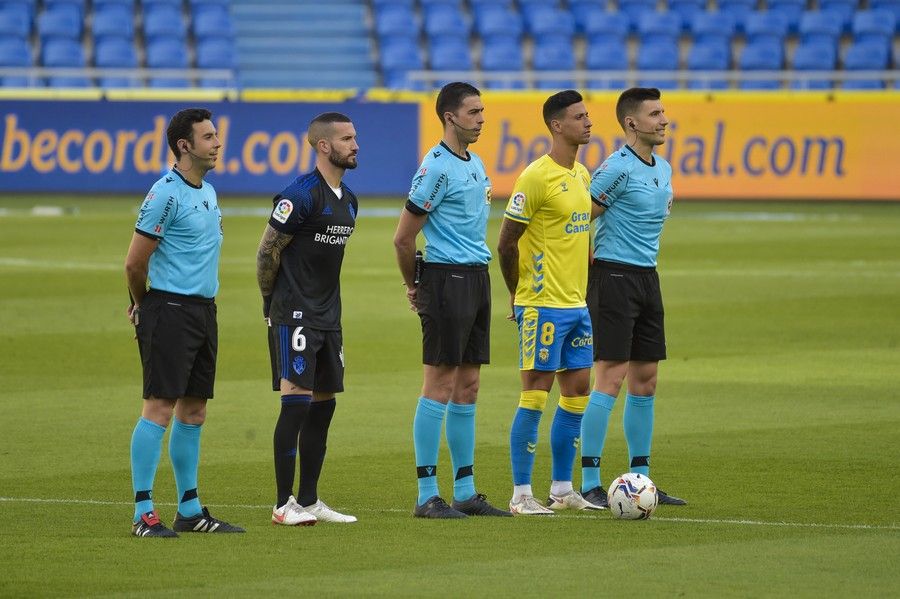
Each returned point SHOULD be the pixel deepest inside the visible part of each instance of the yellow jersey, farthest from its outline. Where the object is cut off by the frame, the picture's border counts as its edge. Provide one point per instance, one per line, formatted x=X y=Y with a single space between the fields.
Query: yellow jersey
x=555 y=203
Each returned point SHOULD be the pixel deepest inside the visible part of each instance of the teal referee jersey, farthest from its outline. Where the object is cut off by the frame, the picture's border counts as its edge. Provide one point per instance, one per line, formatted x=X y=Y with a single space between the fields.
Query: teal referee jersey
x=187 y=222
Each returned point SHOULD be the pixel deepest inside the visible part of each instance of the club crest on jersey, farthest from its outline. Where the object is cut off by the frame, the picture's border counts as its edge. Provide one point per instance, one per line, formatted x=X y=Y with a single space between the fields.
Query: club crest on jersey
x=543 y=354
x=517 y=203
x=282 y=210
x=299 y=364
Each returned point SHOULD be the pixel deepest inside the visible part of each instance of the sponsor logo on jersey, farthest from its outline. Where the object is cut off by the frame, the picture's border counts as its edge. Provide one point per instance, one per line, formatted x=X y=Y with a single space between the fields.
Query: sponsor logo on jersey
x=298 y=314
x=586 y=341
x=517 y=204
x=282 y=210
x=580 y=223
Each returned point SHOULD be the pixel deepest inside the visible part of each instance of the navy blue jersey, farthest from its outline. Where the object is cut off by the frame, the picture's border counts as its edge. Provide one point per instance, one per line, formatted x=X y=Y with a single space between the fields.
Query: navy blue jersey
x=187 y=222
x=307 y=289
x=638 y=198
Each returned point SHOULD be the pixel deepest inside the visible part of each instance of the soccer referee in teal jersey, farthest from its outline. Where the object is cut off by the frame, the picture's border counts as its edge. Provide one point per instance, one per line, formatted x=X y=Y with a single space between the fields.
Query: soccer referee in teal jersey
x=449 y=203
x=633 y=190
x=172 y=269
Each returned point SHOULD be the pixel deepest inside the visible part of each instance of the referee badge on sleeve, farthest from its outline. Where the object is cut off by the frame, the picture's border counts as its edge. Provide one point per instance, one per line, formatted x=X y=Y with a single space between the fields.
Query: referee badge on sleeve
x=487 y=195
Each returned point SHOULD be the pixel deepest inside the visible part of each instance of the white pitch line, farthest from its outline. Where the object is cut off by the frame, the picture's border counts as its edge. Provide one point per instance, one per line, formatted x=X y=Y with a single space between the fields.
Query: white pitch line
x=401 y=511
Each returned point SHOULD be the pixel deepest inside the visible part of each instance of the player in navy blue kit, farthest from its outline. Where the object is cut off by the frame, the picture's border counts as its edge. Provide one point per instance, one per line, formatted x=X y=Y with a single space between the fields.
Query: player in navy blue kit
x=298 y=268
x=449 y=203
x=175 y=248
x=633 y=189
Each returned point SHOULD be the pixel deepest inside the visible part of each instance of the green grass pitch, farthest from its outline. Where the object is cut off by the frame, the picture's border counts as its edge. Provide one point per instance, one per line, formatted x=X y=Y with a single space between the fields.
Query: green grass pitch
x=777 y=418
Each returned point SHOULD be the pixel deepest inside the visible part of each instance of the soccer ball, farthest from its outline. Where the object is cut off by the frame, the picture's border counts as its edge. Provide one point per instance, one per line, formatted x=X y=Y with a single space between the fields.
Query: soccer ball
x=632 y=496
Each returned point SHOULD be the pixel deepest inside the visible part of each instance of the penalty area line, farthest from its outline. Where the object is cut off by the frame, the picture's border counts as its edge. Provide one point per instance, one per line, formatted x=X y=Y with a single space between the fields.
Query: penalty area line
x=592 y=516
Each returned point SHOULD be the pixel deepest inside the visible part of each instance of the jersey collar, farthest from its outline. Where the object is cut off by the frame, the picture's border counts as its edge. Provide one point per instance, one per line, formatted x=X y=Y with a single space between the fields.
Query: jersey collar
x=186 y=182
x=466 y=159
x=630 y=149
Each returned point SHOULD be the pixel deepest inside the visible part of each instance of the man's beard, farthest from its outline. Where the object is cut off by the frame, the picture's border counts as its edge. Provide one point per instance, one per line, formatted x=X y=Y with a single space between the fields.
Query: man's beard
x=345 y=162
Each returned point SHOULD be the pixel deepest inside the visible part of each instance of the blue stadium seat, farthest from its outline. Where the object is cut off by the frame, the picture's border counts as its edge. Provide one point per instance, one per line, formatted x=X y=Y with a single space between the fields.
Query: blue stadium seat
x=708 y=56
x=60 y=23
x=428 y=4
x=502 y=55
x=14 y=22
x=450 y=55
x=396 y=21
x=686 y=10
x=814 y=56
x=636 y=9
x=738 y=10
x=497 y=21
x=15 y=52
x=865 y=56
x=116 y=53
x=215 y=54
x=605 y=55
x=164 y=21
x=64 y=53
x=607 y=26
x=542 y=20
x=843 y=9
x=790 y=10
x=78 y=6
x=554 y=54
x=876 y=26
x=212 y=24
x=379 y=4
x=712 y=26
x=659 y=28
x=761 y=56
x=820 y=26
x=582 y=10
x=657 y=57
x=113 y=21
x=765 y=27
x=398 y=56
x=892 y=6
x=214 y=5
x=148 y=5
x=445 y=20
x=167 y=53
x=29 y=7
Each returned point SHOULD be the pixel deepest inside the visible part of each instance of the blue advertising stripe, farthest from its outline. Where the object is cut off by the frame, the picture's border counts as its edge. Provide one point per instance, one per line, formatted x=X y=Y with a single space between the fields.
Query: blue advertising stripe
x=91 y=147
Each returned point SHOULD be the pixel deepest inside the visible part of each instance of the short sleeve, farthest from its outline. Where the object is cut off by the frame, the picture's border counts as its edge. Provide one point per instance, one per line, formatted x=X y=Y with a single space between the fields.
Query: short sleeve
x=157 y=211
x=608 y=182
x=291 y=208
x=429 y=186
x=527 y=197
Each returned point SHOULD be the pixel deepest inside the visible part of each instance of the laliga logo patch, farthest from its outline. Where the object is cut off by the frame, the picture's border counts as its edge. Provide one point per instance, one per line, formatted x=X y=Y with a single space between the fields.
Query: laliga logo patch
x=299 y=365
x=487 y=196
x=282 y=210
x=517 y=203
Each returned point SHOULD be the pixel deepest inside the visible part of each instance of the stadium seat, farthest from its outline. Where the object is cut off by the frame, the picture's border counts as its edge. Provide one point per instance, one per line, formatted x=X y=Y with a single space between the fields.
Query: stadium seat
x=765 y=27
x=380 y=4
x=449 y=55
x=790 y=10
x=29 y=7
x=659 y=28
x=635 y=10
x=761 y=56
x=553 y=54
x=212 y=24
x=77 y=6
x=497 y=21
x=445 y=20
x=397 y=20
x=865 y=56
x=502 y=55
x=843 y=9
x=607 y=26
x=738 y=10
x=399 y=56
x=708 y=56
x=215 y=53
x=428 y=4
x=892 y=6
x=606 y=55
x=167 y=53
x=686 y=10
x=60 y=23
x=657 y=57
x=875 y=26
x=64 y=53
x=820 y=26
x=116 y=53
x=712 y=26
x=164 y=21
x=15 y=52
x=542 y=20
x=113 y=21
x=150 y=5
x=582 y=11
x=814 y=56
x=14 y=22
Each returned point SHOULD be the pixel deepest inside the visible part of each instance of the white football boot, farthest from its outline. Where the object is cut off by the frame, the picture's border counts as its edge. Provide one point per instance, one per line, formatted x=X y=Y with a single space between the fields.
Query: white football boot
x=571 y=501
x=527 y=505
x=292 y=514
x=323 y=513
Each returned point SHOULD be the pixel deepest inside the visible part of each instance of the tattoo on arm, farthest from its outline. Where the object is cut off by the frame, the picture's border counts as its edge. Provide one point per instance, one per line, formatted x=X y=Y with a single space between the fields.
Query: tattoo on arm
x=508 y=250
x=268 y=258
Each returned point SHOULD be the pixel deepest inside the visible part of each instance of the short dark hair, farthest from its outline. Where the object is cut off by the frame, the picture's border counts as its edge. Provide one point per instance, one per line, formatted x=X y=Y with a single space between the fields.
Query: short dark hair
x=319 y=126
x=556 y=104
x=451 y=97
x=182 y=127
x=631 y=100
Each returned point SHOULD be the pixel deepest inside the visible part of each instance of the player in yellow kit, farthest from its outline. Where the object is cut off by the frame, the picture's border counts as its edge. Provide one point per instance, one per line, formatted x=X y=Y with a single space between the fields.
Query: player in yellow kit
x=544 y=248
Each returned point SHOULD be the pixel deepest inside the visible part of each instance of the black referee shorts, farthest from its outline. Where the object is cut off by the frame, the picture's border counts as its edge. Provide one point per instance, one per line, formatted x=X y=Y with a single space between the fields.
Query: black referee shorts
x=454 y=304
x=627 y=314
x=178 y=338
